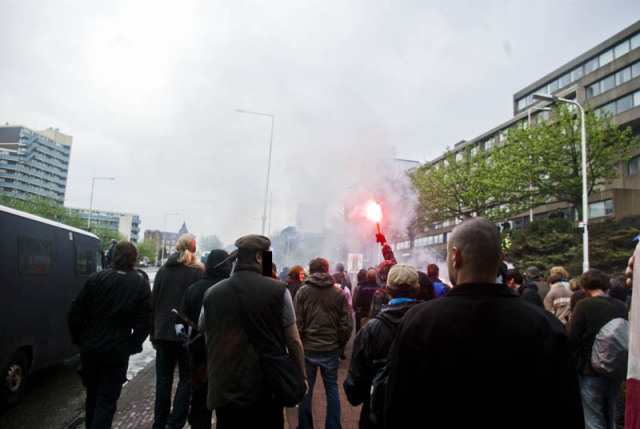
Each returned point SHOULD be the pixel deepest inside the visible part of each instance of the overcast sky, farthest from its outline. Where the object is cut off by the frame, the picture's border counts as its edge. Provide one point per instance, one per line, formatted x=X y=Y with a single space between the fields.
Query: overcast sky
x=149 y=89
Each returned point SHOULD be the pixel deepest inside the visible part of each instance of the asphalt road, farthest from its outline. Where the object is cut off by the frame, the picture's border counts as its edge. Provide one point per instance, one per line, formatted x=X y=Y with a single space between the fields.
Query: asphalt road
x=55 y=396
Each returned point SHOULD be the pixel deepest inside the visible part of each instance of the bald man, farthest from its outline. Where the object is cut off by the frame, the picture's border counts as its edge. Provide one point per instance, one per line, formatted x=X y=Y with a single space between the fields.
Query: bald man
x=481 y=355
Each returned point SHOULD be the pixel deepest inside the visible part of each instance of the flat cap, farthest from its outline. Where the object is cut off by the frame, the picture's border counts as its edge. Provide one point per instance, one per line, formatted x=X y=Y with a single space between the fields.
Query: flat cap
x=533 y=273
x=402 y=277
x=253 y=242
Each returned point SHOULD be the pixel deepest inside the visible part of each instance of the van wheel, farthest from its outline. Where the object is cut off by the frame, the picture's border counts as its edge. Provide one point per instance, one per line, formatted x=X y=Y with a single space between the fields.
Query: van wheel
x=15 y=378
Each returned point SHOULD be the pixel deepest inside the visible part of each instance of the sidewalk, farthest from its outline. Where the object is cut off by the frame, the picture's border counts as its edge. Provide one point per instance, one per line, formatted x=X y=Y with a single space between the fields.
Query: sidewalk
x=135 y=407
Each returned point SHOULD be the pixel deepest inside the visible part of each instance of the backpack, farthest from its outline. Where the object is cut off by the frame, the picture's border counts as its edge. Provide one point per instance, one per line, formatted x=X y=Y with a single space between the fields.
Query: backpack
x=379 y=386
x=610 y=351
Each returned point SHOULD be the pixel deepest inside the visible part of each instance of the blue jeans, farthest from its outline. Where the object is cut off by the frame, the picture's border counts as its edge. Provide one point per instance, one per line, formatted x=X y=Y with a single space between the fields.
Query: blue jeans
x=328 y=363
x=168 y=354
x=599 y=399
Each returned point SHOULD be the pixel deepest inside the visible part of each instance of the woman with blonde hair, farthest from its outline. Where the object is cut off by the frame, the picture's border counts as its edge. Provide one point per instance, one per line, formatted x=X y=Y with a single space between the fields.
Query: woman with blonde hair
x=181 y=270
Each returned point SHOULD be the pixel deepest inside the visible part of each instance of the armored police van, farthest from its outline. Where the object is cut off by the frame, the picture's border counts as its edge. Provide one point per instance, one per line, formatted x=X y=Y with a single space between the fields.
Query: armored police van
x=43 y=266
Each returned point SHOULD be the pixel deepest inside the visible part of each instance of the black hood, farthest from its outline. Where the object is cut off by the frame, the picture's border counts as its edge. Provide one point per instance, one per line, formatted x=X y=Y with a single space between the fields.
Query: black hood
x=172 y=260
x=216 y=265
x=394 y=313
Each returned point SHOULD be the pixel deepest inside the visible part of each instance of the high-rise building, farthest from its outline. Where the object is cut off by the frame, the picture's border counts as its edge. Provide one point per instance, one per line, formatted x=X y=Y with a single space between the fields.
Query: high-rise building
x=34 y=163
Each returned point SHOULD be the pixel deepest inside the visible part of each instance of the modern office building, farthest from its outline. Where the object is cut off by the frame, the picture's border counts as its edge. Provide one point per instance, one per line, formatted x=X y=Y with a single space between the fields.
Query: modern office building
x=34 y=163
x=605 y=77
x=127 y=224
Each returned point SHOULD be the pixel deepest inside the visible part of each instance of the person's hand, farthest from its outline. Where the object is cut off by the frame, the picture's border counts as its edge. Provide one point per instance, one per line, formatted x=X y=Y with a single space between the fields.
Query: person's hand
x=629 y=271
x=306 y=391
x=380 y=238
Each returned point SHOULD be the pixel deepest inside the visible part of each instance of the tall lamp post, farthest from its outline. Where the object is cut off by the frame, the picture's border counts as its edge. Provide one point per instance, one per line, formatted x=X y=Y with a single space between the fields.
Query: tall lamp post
x=93 y=182
x=164 y=233
x=546 y=109
x=266 y=190
x=585 y=195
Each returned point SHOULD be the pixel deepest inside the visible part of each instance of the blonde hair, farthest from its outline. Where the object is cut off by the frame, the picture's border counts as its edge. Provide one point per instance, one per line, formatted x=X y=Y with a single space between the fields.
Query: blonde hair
x=186 y=256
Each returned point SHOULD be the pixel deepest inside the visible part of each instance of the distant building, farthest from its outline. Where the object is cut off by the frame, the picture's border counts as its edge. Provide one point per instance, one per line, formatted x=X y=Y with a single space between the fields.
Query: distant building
x=34 y=162
x=170 y=239
x=127 y=224
x=605 y=77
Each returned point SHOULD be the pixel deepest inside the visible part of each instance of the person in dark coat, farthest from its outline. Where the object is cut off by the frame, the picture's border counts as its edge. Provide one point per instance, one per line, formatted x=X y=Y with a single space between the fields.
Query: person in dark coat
x=218 y=267
x=181 y=270
x=372 y=343
x=362 y=297
x=109 y=320
x=427 y=290
x=470 y=353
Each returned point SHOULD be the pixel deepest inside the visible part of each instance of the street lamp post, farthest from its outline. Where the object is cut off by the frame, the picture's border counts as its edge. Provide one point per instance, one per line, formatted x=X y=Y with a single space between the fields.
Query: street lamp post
x=546 y=109
x=266 y=190
x=164 y=233
x=93 y=182
x=585 y=195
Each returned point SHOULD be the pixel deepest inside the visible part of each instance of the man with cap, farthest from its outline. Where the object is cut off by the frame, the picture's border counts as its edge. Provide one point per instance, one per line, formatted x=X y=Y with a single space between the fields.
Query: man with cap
x=325 y=325
x=247 y=301
x=373 y=341
x=481 y=347
x=533 y=277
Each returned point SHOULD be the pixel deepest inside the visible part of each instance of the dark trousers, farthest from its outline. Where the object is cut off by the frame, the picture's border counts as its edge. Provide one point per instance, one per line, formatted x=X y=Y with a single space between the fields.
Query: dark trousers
x=263 y=415
x=103 y=380
x=199 y=414
x=168 y=355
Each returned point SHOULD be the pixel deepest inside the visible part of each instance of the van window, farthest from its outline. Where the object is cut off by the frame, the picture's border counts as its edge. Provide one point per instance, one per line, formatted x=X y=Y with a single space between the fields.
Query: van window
x=34 y=255
x=84 y=261
x=99 y=258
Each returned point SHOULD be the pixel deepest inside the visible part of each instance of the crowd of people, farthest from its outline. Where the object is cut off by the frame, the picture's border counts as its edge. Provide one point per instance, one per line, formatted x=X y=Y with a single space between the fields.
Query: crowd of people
x=478 y=348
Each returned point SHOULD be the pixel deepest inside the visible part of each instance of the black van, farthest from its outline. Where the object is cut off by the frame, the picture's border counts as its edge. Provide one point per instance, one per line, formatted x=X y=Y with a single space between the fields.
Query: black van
x=43 y=266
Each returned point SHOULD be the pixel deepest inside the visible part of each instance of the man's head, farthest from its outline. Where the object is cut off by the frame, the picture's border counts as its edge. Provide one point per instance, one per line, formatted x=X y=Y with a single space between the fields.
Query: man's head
x=218 y=262
x=340 y=267
x=297 y=274
x=318 y=265
x=433 y=270
x=513 y=278
x=474 y=252
x=533 y=274
x=594 y=280
x=554 y=278
x=403 y=282
x=125 y=256
x=371 y=275
x=250 y=248
x=113 y=242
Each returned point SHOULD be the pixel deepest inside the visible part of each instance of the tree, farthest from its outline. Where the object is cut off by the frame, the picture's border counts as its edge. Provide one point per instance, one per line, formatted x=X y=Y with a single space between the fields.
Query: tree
x=463 y=185
x=44 y=207
x=545 y=158
x=209 y=242
x=105 y=234
x=147 y=248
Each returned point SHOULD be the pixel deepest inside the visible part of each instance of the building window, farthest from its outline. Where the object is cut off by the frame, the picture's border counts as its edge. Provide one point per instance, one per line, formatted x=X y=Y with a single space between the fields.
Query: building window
x=600 y=208
x=635 y=41
x=565 y=80
x=623 y=76
x=621 y=49
x=576 y=73
x=635 y=69
x=591 y=65
x=552 y=87
x=624 y=103
x=606 y=57
x=593 y=90
x=607 y=83
x=634 y=165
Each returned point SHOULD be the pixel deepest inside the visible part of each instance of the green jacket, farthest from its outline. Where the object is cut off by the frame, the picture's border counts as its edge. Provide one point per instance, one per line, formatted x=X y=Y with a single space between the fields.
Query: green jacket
x=323 y=315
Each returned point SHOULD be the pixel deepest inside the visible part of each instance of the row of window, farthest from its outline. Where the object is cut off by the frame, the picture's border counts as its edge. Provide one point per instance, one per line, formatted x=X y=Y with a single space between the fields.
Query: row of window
x=613 y=80
x=35 y=257
x=622 y=104
x=583 y=69
x=634 y=164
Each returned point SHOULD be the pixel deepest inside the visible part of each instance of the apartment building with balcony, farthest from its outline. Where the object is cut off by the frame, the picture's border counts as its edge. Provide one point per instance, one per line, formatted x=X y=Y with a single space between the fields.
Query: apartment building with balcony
x=34 y=163
x=126 y=224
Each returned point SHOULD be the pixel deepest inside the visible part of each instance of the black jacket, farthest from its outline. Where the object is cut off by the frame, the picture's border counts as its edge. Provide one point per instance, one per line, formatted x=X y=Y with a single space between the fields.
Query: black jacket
x=370 y=349
x=472 y=355
x=111 y=315
x=169 y=286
